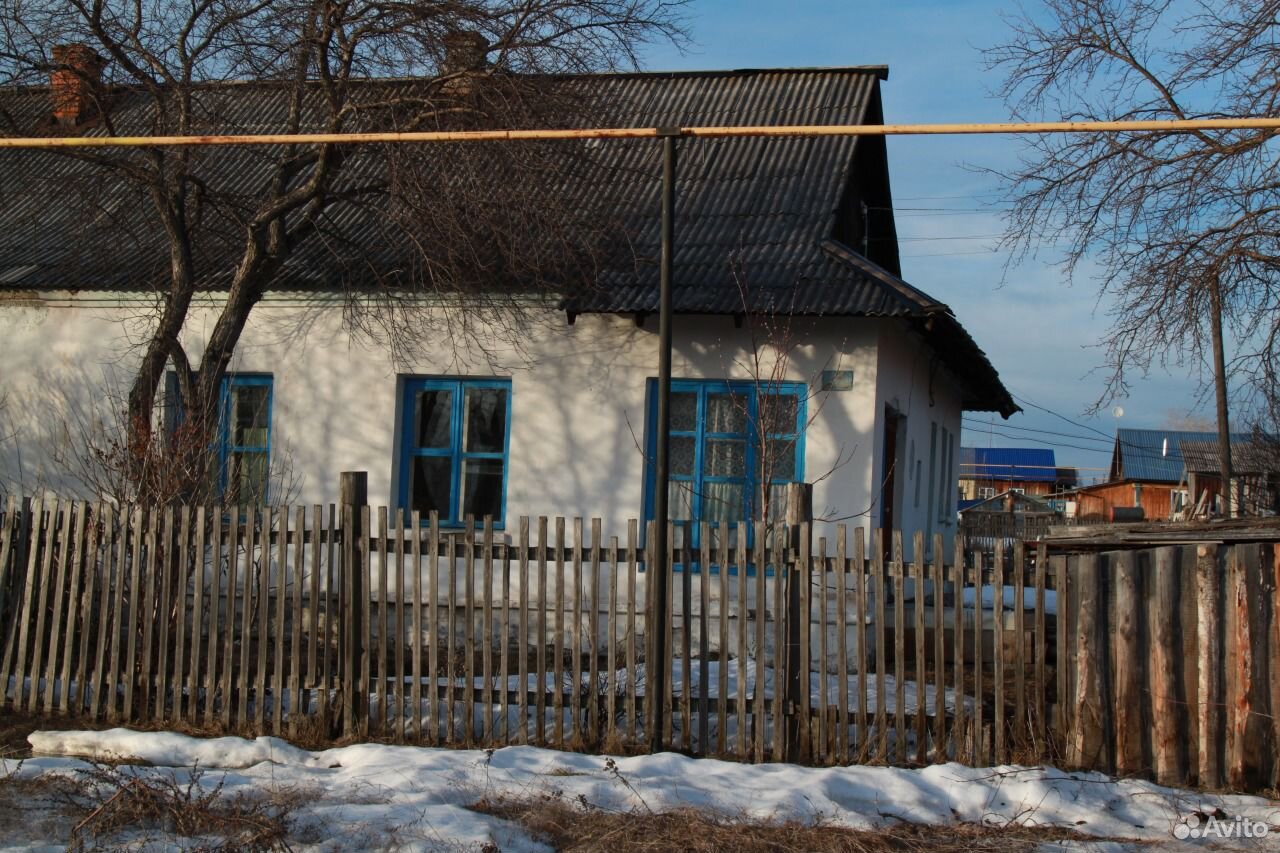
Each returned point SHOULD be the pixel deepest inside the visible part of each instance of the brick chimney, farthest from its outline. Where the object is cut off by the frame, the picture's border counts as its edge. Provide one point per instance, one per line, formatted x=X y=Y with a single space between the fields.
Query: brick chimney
x=464 y=51
x=73 y=82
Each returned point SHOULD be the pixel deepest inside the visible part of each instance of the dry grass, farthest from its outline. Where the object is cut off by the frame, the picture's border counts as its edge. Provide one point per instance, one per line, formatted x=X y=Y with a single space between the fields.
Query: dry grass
x=578 y=827
x=107 y=807
x=117 y=802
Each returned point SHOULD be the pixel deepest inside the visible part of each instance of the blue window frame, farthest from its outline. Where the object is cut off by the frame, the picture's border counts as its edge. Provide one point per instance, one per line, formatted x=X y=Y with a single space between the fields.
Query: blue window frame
x=733 y=444
x=454 y=438
x=244 y=438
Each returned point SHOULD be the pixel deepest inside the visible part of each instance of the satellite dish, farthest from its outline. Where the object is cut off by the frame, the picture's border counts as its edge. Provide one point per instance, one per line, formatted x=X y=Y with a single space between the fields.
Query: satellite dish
x=1118 y=411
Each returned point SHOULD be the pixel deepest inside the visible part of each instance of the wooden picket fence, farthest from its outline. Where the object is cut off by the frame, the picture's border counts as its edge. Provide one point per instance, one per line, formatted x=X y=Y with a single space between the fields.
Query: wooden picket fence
x=357 y=622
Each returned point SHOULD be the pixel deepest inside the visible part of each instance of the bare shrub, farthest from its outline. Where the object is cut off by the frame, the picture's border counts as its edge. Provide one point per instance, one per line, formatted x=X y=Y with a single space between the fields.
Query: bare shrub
x=120 y=801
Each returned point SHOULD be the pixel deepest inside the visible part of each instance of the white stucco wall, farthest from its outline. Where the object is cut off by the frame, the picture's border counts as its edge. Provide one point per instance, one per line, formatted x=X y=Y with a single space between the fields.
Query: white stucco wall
x=911 y=380
x=578 y=399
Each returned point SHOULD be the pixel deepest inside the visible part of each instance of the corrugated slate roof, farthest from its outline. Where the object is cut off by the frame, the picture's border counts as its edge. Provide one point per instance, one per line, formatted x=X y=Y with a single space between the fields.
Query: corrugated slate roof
x=756 y=219
x=1033 y=464
x=1247 y=456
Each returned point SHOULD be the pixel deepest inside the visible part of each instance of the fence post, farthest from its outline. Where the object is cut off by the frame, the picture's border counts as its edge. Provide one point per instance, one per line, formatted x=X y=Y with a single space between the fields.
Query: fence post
x=799 y=512
x=1209 y=651
x=353 y=495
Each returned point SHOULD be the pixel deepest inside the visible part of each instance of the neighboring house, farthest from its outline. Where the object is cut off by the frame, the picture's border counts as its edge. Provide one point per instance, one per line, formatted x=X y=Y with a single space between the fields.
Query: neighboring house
x=1147 y=471
x=989 y=471
x=1256 y=472
x=563 y=424
x=1006 y=517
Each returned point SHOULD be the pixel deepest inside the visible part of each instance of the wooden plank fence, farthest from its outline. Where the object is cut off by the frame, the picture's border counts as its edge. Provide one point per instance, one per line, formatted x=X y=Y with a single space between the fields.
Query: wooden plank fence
x=1172 y=663
x=356 y=621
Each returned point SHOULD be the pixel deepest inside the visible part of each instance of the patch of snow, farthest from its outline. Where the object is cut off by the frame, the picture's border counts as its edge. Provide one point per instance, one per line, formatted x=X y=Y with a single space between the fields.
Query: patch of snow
x=167 y=749
x=1009 y=599
x=370 y=795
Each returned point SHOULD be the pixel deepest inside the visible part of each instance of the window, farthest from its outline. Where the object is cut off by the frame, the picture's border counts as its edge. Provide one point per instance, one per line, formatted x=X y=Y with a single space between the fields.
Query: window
x=244 y=438
x=454 y=437
x=1019 y=491
x=733 y=446
x=986 y=493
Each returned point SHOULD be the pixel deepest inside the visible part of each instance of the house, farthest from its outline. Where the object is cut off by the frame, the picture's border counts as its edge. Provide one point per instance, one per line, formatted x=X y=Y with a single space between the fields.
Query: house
x=1147 y=472
x=560 y=421
x=988 y=471
x=1256 y=471
x=1005 y=518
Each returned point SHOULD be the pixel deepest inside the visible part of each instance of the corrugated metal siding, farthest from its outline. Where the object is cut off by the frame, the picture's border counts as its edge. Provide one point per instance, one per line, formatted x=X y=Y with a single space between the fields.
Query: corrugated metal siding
x=1009 y=463
x=1155 y=455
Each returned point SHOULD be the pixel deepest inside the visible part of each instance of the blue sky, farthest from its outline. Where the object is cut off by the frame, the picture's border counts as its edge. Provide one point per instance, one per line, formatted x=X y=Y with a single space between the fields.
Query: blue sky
x=1040 y=331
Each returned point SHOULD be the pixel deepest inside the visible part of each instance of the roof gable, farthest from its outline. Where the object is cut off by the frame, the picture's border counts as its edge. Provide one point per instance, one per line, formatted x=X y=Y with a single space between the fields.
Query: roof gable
x=1009 y=501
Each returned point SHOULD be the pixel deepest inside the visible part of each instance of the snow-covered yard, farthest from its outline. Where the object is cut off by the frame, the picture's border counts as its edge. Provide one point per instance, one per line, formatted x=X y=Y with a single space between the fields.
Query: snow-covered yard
x=373 y=796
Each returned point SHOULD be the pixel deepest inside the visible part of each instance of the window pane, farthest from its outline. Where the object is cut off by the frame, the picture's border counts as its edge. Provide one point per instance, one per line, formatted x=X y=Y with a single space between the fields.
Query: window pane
x=246 y=478
x=250 y=415
x=778 y=461
x=777 y=497
x=725 y=458
x=726 y=413
x=431 y=481
x=684 y=411
x=681 y=453
x=722 y=501
x=778 y=412
x=433 y=414
x=482 y=489
x=679 y=500
x=486 y=420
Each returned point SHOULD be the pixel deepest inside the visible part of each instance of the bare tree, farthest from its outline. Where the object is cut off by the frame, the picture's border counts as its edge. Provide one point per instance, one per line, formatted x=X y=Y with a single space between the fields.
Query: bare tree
x=1182 y=226
x=387 y=225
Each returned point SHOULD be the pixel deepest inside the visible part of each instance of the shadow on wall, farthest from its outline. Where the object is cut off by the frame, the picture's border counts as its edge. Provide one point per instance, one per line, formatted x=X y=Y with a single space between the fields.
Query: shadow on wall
x=583 y=453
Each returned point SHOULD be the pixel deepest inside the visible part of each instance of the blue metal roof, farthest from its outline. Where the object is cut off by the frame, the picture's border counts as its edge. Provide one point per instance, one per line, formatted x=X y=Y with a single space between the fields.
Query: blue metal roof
x=1034 y=464
x=1154 y=455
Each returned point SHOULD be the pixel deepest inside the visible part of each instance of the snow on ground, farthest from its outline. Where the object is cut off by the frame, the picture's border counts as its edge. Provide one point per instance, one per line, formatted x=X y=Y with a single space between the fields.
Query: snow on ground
x=373 y=796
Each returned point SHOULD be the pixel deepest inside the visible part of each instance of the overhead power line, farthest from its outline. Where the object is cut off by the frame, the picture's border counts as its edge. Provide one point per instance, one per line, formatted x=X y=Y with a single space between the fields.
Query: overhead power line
x=1012 y=465
x=1049 y=411
x=1056 y=444
x=951 y=254
x=975 y=425
x=804 y=130
x=1130 y=450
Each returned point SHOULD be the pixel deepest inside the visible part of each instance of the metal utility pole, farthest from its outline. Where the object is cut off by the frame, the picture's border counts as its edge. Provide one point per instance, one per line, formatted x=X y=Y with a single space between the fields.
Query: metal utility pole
x=660 y=571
